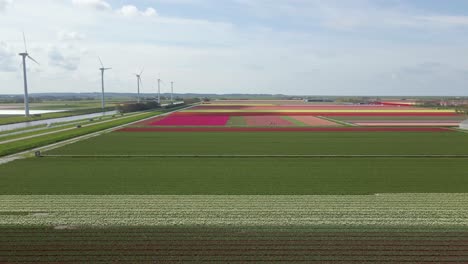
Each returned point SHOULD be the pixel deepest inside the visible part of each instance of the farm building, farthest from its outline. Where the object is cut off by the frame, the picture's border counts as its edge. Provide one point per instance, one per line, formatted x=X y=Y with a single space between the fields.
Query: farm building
x=464 y=124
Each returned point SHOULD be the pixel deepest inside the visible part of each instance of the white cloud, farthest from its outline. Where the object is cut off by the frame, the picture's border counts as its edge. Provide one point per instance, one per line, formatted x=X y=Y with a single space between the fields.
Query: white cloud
x=7 y=56
x=129 y=10
x=149 y=12
x=4 y=4
x=133 y=11
x=70 y=36
x=95 y=4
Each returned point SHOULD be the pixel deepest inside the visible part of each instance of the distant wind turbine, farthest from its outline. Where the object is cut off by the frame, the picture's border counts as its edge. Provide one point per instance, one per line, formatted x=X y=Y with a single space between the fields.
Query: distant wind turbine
x=102 y=69
x=138 y=83
x=159 y=91
x=172 y=91
x=26 y=96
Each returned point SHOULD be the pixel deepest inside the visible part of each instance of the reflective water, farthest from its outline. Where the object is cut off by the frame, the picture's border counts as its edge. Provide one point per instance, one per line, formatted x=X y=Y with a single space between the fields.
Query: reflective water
x=18 y=112
x=53 y=120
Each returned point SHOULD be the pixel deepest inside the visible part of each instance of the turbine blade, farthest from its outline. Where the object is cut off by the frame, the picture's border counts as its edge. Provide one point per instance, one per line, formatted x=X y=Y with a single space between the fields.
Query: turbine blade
x=141 y=83
x=142 y=70
x=101 y=62
x=24 y=40
x=107 y=69
x=31 y=58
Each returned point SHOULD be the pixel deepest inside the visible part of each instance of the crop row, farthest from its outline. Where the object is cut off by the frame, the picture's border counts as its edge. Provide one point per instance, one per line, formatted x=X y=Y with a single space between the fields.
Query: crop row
x=228 y=244
x=436 y=210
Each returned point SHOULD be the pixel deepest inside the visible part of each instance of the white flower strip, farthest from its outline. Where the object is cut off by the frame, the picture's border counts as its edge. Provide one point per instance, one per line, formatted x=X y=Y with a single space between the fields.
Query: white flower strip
x=431 y=210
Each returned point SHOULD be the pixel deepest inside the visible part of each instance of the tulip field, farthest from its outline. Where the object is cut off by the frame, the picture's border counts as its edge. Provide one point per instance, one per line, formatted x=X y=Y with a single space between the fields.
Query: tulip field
x=248 y=181
x=276 y=115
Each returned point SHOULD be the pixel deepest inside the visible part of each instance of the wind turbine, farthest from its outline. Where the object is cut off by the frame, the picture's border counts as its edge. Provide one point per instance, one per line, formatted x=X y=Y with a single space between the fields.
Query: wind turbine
x=26 y=96
x=138 y=83
x=102 y=69
x=172 y=91
x=159 y=91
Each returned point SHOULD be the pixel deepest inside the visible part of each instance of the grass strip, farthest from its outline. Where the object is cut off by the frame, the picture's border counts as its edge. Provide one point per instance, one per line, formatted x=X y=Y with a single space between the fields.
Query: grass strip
x=17 y=146
x=236 y=121
x=294 y=121
x=58 y=127
x=336 y=121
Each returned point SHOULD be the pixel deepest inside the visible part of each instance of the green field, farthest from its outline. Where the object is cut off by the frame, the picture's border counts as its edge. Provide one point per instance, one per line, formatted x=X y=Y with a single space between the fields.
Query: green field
x=101 y=174
x=278 y=143
x=233 y=176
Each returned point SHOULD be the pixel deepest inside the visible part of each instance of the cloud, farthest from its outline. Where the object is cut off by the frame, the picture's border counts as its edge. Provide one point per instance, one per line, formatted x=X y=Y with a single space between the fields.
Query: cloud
x=149 y=12
x=133 y=11
x=7 y=58
x=70 y=36
x=94 y=4
x=445 y=20
x=4 y=4
x=58 y=59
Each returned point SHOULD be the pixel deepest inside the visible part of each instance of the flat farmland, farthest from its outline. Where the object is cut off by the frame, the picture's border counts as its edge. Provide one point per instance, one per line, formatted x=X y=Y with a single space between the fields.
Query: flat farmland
x=247 y=181
x=270 y=143
x=236 y=176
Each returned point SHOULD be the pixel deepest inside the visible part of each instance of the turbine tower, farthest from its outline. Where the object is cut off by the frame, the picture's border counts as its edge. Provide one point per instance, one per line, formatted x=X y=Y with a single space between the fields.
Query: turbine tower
x=102 y=69
x=172 y=91
x=25 y=55
x=138 y=84
x=159 y=91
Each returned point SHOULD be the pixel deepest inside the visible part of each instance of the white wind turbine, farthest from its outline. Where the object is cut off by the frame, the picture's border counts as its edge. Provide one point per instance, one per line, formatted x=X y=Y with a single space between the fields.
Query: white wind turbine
x=102 y=69
x=138 y=83
x=172 y=92
x=159 y=89
x=26 y=96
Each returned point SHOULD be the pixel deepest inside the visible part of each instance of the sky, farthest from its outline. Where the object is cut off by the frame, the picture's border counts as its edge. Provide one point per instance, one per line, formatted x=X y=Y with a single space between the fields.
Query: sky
x=296 y=47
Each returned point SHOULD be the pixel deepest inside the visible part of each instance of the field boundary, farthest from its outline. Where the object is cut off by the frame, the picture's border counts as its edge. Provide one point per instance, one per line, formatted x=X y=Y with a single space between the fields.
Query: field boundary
x=255 y=156
x=337 y=121
x=283 y=129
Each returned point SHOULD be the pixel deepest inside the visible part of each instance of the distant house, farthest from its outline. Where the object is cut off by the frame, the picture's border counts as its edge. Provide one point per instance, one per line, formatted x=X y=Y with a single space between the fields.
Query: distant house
x=464 y=124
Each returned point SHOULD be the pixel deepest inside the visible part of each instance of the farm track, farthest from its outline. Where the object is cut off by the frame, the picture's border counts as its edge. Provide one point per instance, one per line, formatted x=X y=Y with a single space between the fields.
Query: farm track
x=251 y=156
